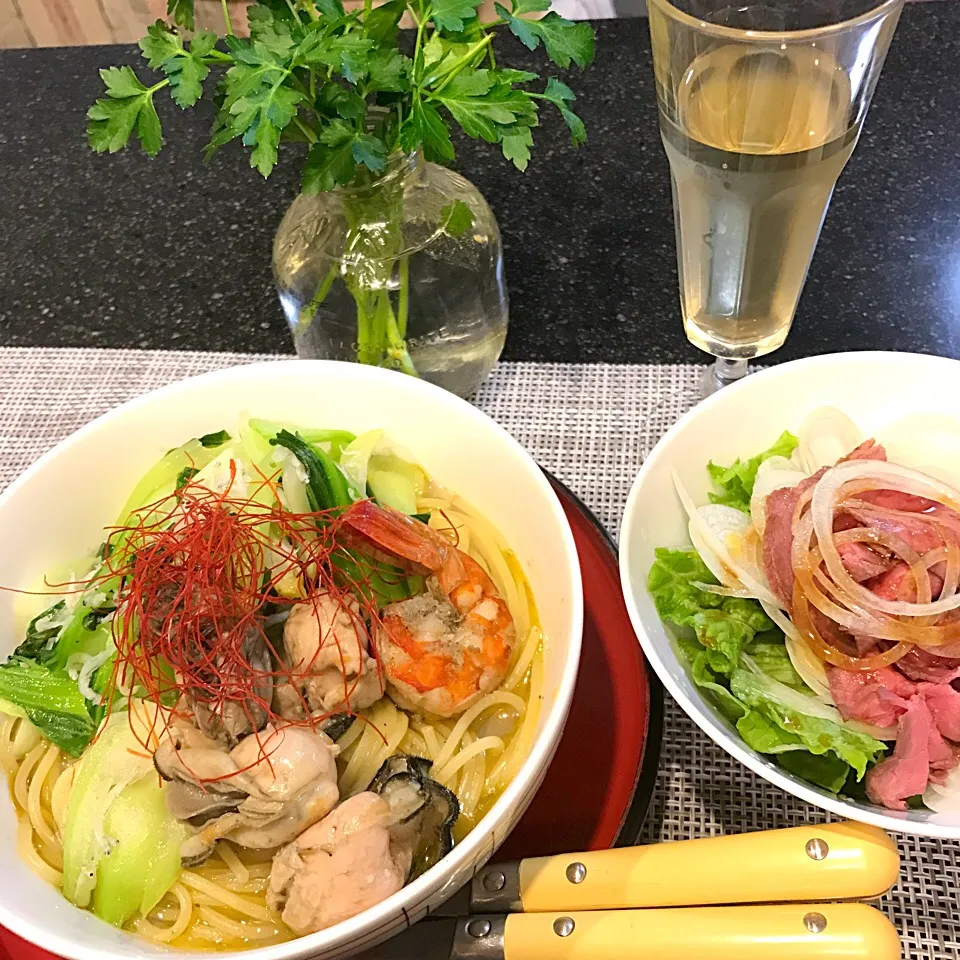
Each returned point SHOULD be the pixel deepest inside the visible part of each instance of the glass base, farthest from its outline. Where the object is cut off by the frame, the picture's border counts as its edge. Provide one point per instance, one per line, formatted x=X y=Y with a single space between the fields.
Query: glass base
x=721 y=374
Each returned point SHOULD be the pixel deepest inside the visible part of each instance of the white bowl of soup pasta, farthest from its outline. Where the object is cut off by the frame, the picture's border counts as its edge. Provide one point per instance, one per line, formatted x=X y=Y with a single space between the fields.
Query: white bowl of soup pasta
x=907 y=403
x=57 y=511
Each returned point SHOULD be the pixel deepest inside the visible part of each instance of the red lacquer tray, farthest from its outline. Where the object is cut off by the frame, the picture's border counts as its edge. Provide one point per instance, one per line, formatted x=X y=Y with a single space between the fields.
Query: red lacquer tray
x=603 y=774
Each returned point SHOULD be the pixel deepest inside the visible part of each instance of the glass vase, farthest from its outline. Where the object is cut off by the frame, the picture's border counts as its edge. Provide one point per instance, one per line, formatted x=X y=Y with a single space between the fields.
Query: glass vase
x=402 y=270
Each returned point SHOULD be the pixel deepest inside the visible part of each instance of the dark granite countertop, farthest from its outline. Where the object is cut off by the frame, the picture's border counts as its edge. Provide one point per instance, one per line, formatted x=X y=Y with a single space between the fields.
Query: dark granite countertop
x=172 y=253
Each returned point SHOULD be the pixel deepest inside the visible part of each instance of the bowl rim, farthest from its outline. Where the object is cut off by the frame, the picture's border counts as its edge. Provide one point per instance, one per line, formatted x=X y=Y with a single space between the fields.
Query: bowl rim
x=694 y=709
x=338 y=938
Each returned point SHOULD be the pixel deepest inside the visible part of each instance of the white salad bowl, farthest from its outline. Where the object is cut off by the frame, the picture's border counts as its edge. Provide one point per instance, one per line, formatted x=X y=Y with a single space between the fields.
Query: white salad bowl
x=56 y=511
x=874 y=390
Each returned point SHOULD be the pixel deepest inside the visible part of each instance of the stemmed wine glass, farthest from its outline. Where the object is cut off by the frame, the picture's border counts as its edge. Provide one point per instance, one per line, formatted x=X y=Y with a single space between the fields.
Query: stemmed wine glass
x=761 y=104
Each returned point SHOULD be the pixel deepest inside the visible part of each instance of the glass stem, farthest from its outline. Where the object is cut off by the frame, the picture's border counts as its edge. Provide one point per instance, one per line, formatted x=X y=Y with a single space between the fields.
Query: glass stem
x=721 y=374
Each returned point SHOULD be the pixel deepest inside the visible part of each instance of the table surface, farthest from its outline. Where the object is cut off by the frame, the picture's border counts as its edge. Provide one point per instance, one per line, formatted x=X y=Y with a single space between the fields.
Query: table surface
x=123 y=251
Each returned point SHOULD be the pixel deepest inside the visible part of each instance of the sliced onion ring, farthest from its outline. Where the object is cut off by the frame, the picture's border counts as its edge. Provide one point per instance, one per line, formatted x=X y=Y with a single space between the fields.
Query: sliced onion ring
x=749 y=578
x=826 y=495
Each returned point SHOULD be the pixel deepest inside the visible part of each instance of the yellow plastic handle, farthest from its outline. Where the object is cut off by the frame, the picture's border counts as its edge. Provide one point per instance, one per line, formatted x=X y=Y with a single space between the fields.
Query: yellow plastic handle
x=836 y=861
x=829 y=931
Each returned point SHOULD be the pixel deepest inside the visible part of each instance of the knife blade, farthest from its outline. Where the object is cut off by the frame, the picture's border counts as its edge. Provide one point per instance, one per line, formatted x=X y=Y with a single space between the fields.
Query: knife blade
x=821 y=931
x=835 y=861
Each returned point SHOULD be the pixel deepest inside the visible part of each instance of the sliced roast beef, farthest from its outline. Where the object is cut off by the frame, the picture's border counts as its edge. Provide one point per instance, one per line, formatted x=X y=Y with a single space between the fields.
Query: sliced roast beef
x=779 y=508
x=943 y=703
x=897 y=500
x=905 y=773
x=861 y=562
x=868 y=450
x=898 y=584
x=879 y=697
x=915 y=530
x=943 y=756
x=920 y=665
x=947 y=517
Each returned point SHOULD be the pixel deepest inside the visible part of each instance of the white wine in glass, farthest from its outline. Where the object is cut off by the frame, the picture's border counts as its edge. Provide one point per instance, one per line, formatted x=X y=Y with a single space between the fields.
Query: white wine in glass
x=757 y=125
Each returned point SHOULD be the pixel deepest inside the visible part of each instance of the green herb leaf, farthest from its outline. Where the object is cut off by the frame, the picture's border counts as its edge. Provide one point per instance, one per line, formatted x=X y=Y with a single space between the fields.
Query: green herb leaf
x=217 y=439
x=181 y=12
x=439 y=48
x=578 y=132
x=424 y=127
x=333 y=159
x=563 y=40
x=457 y=218
x=202 y=43
x=452 y=14
x=516 y=147
x=327 y=485
x=272 y=28
x=348 y=54
x=388 y=70
x=331 y=9
x=185 y=476
x=558 y=93
x=258 y=101
x=160 y=44
x=482 y=105
x=129 y=109
x=330 y=162
x=516 y=76
x=520 y=7
x=336 y=101
x=52 y=701
x=40 y=635
x=381 y=23
x=185 y=69
x=370 y=151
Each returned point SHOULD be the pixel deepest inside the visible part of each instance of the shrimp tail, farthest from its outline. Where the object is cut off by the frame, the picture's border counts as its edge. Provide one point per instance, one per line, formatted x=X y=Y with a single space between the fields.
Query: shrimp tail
x=399 y=535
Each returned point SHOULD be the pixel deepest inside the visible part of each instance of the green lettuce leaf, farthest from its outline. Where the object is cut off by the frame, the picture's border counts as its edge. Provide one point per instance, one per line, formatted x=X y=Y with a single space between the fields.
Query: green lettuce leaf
x=797 y=720
x=769 y=652
x=723 y=625
x=827 y=771
x=734 y=484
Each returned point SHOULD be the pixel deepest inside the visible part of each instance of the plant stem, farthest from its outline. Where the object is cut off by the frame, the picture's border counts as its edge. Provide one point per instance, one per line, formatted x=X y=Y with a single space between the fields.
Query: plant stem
x=309 y=310
x=307 y=132
x=403 y=307
x=226 y=18
x=450 y=72
x=418 y=47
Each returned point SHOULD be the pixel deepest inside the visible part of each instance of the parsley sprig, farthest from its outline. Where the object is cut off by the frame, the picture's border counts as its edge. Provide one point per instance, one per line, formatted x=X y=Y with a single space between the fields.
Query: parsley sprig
x=339 y=85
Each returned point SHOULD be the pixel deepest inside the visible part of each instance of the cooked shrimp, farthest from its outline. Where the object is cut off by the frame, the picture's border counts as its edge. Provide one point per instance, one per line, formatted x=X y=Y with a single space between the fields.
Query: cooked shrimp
x=443 y=650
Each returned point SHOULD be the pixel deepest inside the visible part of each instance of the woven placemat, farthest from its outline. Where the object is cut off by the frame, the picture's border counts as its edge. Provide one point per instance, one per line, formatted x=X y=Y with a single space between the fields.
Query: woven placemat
x=591 y=425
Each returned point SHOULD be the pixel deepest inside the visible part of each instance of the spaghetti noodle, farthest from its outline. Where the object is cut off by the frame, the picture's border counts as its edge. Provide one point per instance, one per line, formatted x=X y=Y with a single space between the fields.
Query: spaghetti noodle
x=221 y=905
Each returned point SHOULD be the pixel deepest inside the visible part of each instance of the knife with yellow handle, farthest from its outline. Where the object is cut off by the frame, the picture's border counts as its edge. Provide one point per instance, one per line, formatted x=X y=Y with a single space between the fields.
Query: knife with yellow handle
x=817 y=931
x=832 y=861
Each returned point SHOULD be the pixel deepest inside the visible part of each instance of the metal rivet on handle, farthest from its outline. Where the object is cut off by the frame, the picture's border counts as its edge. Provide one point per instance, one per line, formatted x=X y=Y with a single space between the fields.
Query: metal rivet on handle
x=817 y=849
x=494 y=880
x=815 y=922
x=563 y=926
x=576 y=872
x=478 y=928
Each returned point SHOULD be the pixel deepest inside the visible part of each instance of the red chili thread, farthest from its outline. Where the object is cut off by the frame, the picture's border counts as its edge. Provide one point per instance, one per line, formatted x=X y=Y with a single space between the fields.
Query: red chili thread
x=197 y=572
